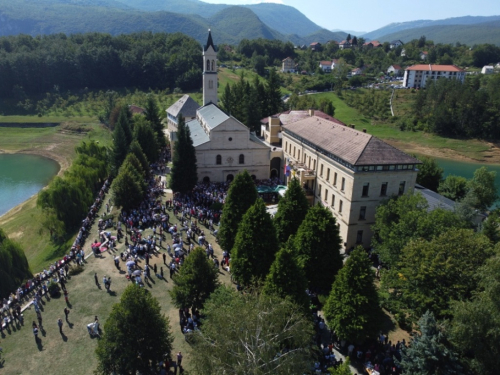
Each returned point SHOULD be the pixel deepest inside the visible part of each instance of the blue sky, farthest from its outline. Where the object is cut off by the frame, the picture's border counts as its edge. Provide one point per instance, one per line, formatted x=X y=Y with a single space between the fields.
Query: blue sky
x=368 y=15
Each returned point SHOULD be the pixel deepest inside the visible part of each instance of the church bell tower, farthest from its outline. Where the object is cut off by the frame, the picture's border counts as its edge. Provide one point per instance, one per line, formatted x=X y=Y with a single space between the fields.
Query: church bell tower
x=209 y=72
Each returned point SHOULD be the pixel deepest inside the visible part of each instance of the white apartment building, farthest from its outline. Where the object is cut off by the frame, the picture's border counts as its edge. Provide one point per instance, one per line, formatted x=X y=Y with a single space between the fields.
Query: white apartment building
x=416 y=76
x=348 y=171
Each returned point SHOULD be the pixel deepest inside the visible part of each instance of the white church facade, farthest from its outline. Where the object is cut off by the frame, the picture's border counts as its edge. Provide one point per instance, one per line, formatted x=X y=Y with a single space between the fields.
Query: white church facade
x=224 y=146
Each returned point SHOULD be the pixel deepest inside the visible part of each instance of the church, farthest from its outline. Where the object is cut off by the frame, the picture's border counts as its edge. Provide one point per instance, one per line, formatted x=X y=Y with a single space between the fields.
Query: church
x=224 y=146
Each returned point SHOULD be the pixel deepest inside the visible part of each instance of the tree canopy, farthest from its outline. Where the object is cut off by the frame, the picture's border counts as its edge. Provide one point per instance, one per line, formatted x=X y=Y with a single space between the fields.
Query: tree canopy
x=255 y=245
x=292 y=210
x=184 y=174
x=195 y=281
x=317 y=245
x=430 y=174
x=252 y=334
x=241 y=195
x=14 y=268
x=136 y=335
x=352 y=308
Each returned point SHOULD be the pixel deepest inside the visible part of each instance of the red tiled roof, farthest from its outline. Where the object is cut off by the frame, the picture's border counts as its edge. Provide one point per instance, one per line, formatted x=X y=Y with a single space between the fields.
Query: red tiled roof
x=135 y=109
x=425 y=52
x=436 y=68
x=335 y=61
x=396 y=67
x=344 y=42
x=325 y=62
x=314 y=43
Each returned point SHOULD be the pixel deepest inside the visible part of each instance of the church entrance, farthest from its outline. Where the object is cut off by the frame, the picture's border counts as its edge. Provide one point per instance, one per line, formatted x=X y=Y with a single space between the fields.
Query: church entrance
x=206 y=180
x=275 y=167
x=274 y=173
x=229 y=178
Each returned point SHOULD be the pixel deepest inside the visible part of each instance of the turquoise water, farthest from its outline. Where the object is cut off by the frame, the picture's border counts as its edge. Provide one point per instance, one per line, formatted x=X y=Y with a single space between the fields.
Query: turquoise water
x=466 y=170
x=22 y=176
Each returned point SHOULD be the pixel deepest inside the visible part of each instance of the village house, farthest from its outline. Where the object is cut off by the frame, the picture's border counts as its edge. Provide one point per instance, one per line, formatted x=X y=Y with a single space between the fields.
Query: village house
x=488 y=69
x=326 y=66
x=288 y=65
x=395 y=44
x=345 y=44
x=394 y=69
x=315 y=46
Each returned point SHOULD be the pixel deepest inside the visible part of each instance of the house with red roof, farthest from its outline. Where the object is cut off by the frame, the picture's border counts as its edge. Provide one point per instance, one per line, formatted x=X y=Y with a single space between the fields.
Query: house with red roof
x=417 y=76
x=345 y=44
x=315 y=46
x=372 y=44
x=424 y=55
x=394 y=69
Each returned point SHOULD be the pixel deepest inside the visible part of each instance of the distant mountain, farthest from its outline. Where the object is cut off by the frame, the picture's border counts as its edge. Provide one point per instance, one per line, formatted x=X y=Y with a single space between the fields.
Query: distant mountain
x=396 y=27
x=282 y=18
x=488 y=32
x=352 y=32
x=230 y=24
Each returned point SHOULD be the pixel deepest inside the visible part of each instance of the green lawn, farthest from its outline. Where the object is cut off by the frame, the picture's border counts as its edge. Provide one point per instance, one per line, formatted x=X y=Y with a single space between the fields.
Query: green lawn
x=36 y=119
x=414 y=142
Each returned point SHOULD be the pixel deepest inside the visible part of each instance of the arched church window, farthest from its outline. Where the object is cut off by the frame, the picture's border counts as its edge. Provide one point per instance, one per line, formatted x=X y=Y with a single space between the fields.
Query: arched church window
x=208 y=65
x=213 y=65
x=218 y=160
x=242 y=159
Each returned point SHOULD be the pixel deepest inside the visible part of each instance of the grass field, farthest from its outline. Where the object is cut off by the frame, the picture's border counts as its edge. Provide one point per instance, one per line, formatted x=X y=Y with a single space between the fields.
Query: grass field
x=23 y=222
x=74 y=351
x=415 y=142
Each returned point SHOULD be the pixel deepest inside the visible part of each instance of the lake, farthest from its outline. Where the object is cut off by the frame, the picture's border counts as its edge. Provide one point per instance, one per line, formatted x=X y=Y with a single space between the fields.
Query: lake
x=22 y=176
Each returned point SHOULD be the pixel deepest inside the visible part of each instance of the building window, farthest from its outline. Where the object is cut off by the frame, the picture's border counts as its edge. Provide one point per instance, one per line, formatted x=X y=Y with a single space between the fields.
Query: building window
x=359 y=237
x=218 y=160
x=342 y=187
x=341 y=205
x=383 y=189
x=294 y=151
x=213 y=65
x=314 y=165
x=208 y=65
x=319 y=191
x=362 y=213
x=328 y=174
x=402 y=187
x=366 y=188
x=335 y=179
x=326 y=195
x=321 y=170
x=333 y=200
x=305 y=157
x=298 y=155
x=242 y=159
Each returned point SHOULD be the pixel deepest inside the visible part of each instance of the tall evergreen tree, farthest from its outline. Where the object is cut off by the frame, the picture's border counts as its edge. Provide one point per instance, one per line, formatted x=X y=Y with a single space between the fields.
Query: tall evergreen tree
x=430 y=353
x=292 y=210
x=352 y=308
x=286 y=278
x=125 y=119
x=184 y=174
x=273 y=94
x=196 y=280
x=241 y=196
x=120 y=146
x=14 y=267
x=318 y=244
x=152 y=114
x=128 y=187
x=135 y=148
x=136 y=335
x=144 y=134
x=255 y=245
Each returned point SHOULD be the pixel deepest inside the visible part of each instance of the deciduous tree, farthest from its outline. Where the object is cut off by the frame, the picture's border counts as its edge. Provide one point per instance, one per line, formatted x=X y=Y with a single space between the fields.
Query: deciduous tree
x=14 y=268
x=252 y=334
x=430 y=175
x=453 y=187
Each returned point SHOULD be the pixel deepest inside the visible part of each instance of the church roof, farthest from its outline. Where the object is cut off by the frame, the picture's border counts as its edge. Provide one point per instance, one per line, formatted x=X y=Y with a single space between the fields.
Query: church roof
x=198 y=135
x=210 y=42
x=185 y=105
x=212 y=115
x=350 y=145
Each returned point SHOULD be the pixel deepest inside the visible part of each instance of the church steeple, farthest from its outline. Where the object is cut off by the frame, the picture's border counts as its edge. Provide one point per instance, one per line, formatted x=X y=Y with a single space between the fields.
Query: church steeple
x=209 y=72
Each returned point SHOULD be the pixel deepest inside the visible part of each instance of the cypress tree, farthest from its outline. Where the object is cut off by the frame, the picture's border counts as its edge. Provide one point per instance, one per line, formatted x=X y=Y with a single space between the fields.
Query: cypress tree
x=135 y=148
x=184 y=174
x=318 y=244
x=128 y=187
x=286 y=278
x=241 y=195
x=273 y=94
x=292 y=210
x=254 y=246
x=120 y=146
x=146 y=137
x=152 y=115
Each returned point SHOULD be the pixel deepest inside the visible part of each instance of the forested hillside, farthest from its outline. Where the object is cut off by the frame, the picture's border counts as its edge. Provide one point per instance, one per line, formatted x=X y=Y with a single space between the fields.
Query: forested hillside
x=488 y=32
x=32 y=66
